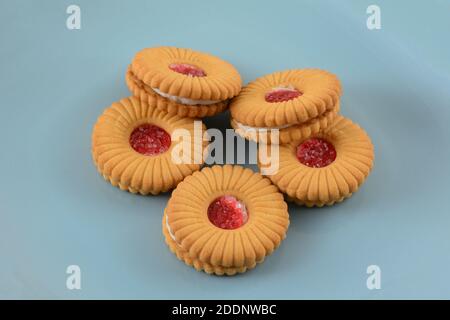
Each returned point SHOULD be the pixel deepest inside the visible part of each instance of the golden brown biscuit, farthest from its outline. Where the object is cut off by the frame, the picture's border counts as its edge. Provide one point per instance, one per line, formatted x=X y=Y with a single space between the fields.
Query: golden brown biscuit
x=289 y=133
x=184 y=256
x=186 y=77
x=132 y=146
x=326 y=168
x=225 y=219
x=314 y=92
x=146 y=93
x=296 y=102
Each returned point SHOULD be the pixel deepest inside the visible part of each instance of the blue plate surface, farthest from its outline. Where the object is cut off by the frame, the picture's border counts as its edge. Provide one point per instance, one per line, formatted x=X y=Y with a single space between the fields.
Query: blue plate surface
x=56 y=211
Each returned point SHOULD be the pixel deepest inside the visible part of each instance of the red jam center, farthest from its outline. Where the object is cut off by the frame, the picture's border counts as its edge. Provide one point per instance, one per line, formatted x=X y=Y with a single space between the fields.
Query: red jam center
x=187 y=69
x=150 y=140
x=227 y=212
x=316 y=153
x=282 y=94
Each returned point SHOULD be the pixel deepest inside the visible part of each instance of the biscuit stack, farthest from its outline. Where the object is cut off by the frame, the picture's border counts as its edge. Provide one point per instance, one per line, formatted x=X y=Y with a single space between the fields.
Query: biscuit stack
x=224 y=219
x=227 y=219
x=172 y=87
x=182 y=81
x=323 y=157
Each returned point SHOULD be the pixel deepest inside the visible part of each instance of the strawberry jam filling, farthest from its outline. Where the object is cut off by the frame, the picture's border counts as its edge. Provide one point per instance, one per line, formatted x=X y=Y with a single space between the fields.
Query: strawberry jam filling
x=150 y=140
x=316 y=153
x=227 y=212
x=282 y=94
x=187 y=69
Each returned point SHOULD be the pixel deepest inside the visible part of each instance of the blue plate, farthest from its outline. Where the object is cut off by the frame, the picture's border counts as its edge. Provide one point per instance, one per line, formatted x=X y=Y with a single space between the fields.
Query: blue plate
x=57 y=211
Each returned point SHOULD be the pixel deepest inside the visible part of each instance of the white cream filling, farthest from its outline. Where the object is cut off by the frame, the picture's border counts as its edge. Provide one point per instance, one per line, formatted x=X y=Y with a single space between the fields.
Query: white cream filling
x=170 y=230
x=248 y=128
x=182 y=100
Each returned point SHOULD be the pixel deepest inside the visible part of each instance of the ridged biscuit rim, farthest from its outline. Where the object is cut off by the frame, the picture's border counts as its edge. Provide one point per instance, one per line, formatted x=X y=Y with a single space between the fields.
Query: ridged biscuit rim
x=198 y=265
x=143 y=92
x=222 y=80
x=267 y=224
x=121 y=165
x=335 y=182
x=292 y=133
x=320 y=92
